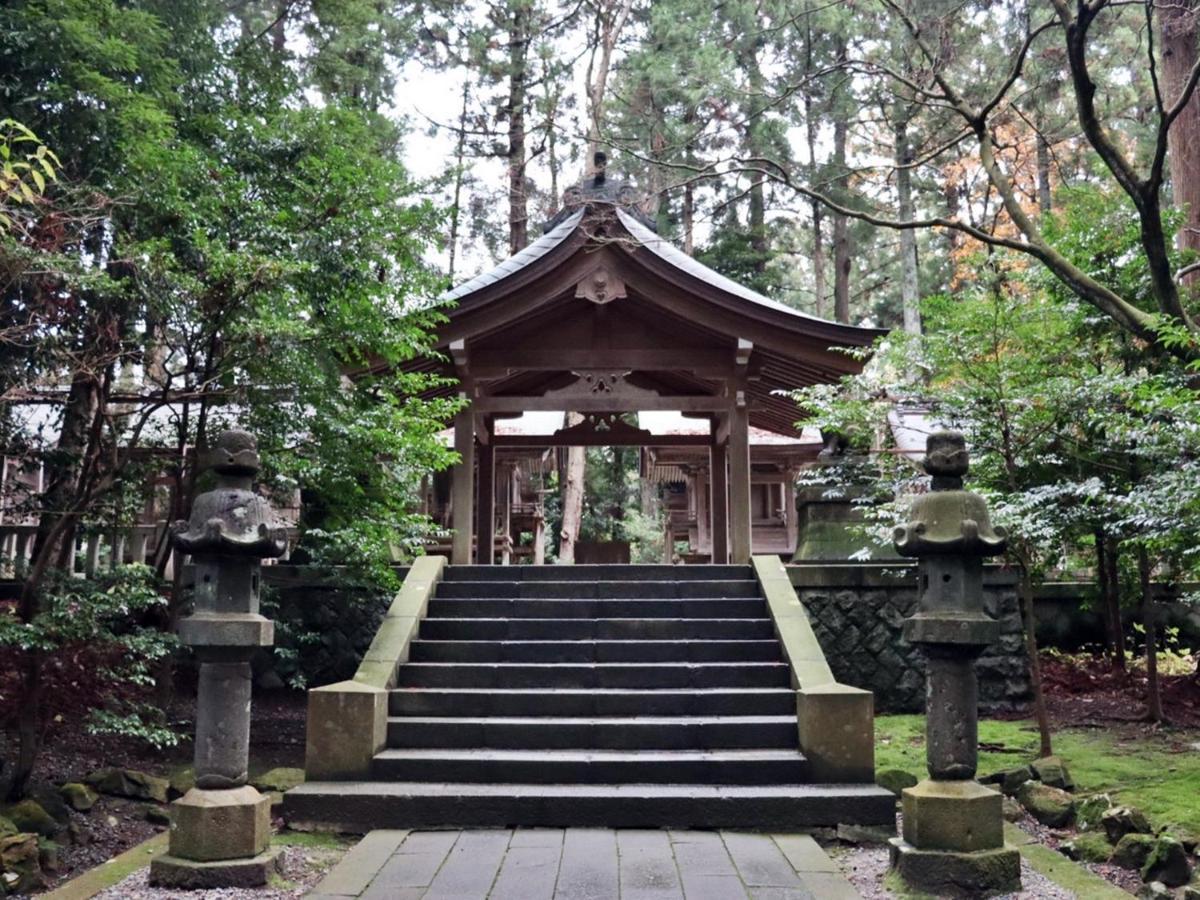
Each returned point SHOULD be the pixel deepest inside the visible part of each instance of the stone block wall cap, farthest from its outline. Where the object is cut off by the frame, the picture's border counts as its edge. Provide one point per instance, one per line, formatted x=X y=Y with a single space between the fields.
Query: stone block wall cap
x=831 y=687
x=348 y=687
x=963 y=630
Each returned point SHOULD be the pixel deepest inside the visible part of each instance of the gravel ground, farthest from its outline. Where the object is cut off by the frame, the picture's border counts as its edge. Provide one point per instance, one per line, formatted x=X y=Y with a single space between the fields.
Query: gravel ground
x=867 y=865
x=302 y=868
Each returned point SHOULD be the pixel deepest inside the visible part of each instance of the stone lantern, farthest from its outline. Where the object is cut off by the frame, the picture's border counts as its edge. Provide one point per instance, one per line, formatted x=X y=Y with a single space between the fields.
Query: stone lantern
x=953 y=835
x=221 y=828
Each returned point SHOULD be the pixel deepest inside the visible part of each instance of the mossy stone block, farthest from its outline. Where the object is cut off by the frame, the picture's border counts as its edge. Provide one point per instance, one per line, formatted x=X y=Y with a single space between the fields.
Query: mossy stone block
x=1132 y=851
x=947 y=872
x=1122 y=820
x=130 y=783
x=1167 y=862
x=895 y=780
x=29 y=817
x=280 y=779
x=1051 y=806
x=1052 y=771
x=210 y=825
x=78 y=796
x=20 y=863
x=1089 y=811
x=1091 y=846
x=1009 y=781
x=963 y=816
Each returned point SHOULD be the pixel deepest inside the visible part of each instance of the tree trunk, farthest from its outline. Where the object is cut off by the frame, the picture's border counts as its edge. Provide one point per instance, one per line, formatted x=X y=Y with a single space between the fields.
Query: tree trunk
x=518 y=58
x=572 y=497
x=1025 y=587
x=1154 y=709
x=1043 y=173
x=1110 y=584
x=53 y=546
x=1178 y=23
x=460 y=152
x=910 y=292
x=841 y=227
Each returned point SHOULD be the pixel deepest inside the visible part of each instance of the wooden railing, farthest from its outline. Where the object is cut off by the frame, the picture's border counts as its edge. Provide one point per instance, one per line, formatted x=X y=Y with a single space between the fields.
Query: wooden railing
x=98 y=551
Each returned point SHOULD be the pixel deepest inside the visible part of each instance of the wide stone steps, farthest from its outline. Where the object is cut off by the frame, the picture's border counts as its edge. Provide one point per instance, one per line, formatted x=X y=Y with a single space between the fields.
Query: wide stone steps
x=617 y=696
x=604 y=573
x=595 y=766
x=411 y=804
x=606 y=590
x=591 y=608
x=596 y=651
x=609 y=733
x=501 y=629
x=594 y=675
x=568 y=702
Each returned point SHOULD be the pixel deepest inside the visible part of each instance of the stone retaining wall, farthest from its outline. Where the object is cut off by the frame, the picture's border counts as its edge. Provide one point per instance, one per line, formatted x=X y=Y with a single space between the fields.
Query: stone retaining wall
x=857 y=611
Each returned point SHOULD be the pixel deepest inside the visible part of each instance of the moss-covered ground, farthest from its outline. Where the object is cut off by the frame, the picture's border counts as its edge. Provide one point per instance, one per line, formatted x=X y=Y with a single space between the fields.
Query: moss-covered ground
x=1157 y=771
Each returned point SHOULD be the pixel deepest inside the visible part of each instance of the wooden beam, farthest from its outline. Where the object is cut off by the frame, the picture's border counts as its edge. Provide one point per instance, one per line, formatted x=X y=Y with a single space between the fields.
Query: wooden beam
x=462 y=487
x=485 y=526
x=600 y=440
x=489 y=363
x=739 y=481
x=719 y=503
x=586 y=403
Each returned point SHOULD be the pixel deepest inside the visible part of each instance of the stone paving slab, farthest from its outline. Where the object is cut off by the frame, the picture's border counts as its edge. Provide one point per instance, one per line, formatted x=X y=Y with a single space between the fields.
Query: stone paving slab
x=585 y=864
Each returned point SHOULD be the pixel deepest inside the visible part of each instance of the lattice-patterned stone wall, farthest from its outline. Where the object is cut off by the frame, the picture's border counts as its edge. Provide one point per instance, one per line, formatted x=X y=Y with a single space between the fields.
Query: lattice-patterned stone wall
x=857 y=611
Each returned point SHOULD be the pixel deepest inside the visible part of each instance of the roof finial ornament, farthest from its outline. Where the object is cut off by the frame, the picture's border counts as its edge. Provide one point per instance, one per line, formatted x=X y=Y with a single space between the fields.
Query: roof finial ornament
x=600 y=164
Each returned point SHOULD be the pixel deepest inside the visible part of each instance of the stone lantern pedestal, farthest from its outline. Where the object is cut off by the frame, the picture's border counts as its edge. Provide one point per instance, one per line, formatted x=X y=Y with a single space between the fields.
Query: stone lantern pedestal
x=221 y=829
x=953 y=832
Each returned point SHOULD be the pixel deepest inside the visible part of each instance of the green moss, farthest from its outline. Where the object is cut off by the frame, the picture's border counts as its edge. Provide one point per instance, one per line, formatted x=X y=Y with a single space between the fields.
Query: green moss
x=1149 y=771
x=1068 y=875
x=325 y=840
x=895 y=884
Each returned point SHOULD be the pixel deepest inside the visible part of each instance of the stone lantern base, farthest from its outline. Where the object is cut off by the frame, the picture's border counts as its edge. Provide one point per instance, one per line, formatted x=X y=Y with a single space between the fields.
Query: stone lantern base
x=219 y=838
x=953 y=840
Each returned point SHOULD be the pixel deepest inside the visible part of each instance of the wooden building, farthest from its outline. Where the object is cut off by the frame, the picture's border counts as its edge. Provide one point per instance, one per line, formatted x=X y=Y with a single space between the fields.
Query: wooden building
x=603 y=317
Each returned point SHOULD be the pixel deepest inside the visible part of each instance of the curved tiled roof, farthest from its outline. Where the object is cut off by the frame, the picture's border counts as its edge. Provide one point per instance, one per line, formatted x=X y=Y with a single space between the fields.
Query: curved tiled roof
x=515 y=263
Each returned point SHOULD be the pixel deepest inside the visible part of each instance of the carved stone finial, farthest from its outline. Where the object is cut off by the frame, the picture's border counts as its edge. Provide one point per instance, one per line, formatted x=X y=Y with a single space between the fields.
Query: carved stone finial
x=235 y=453
x=231 y=519
x=948 y=520
x=946 y=459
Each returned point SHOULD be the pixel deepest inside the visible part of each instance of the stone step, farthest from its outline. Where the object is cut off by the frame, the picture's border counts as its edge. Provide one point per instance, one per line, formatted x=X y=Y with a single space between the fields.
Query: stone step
x=563 y=608
x=364 y=805
x=611 y=733
x=595 y=651
x=478 y=629
x=609 y=590
x=492 y=701
x=621 y=572
x=595 y=675
x=482 y=766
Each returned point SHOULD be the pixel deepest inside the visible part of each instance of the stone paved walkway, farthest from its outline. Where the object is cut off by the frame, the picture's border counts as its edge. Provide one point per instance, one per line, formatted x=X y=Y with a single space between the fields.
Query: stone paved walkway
x=584 y=864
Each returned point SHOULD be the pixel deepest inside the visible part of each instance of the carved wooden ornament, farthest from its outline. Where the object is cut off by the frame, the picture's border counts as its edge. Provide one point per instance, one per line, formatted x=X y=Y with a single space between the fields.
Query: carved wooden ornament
x=600 y=286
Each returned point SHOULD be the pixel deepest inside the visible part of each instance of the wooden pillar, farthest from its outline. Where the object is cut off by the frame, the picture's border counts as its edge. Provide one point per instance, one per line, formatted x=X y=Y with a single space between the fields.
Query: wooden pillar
x=462 y=488
x=719 y=502
x=739 y=483
x=702 y=532
x=789 y=510
x=506 y=483
x=485 y=525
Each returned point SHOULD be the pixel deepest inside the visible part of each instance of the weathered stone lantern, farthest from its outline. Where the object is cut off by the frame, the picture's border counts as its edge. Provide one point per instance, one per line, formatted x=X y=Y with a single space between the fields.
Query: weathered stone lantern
x=953 y=835
x=221 y=829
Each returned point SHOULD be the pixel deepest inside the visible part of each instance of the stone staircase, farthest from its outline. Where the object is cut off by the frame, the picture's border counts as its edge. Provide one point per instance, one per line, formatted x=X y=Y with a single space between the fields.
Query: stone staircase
x=619 y=696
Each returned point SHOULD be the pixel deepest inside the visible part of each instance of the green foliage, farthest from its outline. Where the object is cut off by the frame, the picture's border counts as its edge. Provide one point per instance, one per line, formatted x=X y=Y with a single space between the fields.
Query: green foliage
x=96 y=641
x=26 y=166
